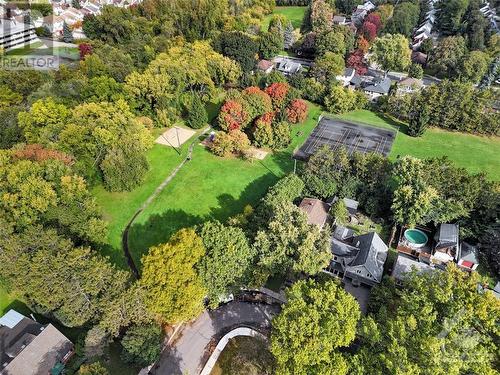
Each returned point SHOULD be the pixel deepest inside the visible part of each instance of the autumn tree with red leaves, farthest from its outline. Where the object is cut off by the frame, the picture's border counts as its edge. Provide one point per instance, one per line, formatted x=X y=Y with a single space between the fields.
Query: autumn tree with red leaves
x=85 y=49
x=297 y=111
x=38 y=153
x=374 y=19
x=232 y=116
x=278 y=92
x=355 y=61
x=369 y=31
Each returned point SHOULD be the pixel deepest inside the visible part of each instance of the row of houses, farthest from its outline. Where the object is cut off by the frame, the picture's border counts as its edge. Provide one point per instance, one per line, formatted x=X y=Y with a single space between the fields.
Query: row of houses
x=17 y=32
x=425 y=29
x=359 y=259
x=490 y=14
x=373 y=86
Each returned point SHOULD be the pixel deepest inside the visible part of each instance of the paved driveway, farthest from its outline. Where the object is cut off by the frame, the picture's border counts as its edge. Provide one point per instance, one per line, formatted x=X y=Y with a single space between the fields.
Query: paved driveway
x=185 y=355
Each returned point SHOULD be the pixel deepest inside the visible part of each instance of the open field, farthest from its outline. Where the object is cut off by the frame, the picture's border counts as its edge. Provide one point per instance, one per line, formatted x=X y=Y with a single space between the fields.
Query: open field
x=210 y=187
x=119 y=207
x=293 y=14
x=475 y=153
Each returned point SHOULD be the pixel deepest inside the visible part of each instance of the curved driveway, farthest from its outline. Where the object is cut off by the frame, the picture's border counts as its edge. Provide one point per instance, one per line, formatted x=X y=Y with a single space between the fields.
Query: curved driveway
x=185 y=355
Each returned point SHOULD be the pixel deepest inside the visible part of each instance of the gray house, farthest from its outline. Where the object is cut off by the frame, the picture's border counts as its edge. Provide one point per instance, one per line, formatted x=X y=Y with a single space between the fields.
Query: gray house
x=359 y=258
x=405 y=264
x=30 y=348
x=468 y=259
x=447 y=244
x=377 y=87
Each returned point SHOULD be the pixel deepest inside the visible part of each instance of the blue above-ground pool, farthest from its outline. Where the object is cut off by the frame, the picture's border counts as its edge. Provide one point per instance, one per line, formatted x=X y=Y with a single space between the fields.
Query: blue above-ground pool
x=416 y=238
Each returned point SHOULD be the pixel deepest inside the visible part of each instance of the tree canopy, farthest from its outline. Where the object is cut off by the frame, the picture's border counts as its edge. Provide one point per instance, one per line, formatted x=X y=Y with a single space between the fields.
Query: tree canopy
x=175 y=291
x=318 y=320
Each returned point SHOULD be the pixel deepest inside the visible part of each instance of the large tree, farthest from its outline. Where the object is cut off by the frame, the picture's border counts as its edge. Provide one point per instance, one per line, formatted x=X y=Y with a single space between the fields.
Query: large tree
x=37 y=186
x=142 y=344
x=458 y=335
x=316 y=322
x=327 y=66
x=450 y=14
x=391 y=52
x=175 y=291
x=72 y=284
x=238 y=46
x=412 y=196
x=404 y=19
x=446 y=58
x=475 y=66
x=289 y=243
x=321 y=14
x=228 y=260
x=330 y=41
x=325 y=174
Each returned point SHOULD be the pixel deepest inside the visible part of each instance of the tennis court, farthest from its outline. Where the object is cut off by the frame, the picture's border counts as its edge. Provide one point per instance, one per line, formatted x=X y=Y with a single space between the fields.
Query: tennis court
x=338 y=133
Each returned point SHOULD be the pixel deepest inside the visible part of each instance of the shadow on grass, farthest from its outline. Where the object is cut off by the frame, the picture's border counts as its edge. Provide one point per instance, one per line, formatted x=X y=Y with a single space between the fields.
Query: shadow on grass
x=115 y=255
x=160 y=227
x=396 y=124
x=284 y=160
x=17 y=305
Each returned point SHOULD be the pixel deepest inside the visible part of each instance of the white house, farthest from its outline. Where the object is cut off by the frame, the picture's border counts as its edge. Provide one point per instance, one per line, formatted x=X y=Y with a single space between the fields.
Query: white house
x=368 y=6
x=15 y=34
x=408 y=86
x=54 y=24
x=346 y=77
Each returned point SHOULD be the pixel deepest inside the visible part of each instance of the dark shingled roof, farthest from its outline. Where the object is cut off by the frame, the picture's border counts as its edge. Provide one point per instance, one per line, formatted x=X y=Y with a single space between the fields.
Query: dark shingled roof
x=367 y=251
x=446 y=236
x=379 y=85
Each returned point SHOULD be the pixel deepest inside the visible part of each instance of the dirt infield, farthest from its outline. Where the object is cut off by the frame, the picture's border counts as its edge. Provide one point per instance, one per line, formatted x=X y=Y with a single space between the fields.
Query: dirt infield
x=354 y=137
x=175 y=137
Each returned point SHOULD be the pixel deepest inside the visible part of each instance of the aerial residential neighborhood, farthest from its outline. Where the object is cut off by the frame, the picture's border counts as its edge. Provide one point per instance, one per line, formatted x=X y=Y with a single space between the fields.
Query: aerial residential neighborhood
x=258 y=187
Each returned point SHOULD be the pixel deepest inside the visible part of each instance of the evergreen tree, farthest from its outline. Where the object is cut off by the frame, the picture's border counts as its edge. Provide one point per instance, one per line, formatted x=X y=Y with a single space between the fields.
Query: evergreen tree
x=416 y=71
x=289 y=36
x=67 y=34
x=197 y=114
x=418 y=122
x=492 y=74
x=76 y=4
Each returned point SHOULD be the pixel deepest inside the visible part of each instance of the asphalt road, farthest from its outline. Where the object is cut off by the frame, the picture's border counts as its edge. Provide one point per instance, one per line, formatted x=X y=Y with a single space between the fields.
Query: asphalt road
x=185 y=354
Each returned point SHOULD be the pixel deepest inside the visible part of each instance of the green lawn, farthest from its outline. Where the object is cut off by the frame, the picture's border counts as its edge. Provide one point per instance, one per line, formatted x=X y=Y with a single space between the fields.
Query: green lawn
x=475 y=153
x=24 y=50
x=293 y=14
x=118 y=208
x=210 y=187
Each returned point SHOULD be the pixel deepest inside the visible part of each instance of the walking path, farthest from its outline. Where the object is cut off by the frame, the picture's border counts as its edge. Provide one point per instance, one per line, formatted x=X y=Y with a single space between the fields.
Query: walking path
x=186 y=353
x=151 y=198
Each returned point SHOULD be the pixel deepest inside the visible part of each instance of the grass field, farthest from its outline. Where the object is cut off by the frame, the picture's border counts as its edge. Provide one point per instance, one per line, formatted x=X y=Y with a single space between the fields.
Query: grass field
x=475 y=153
x=210 y=187
x=293 y=14
x=119 y=207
